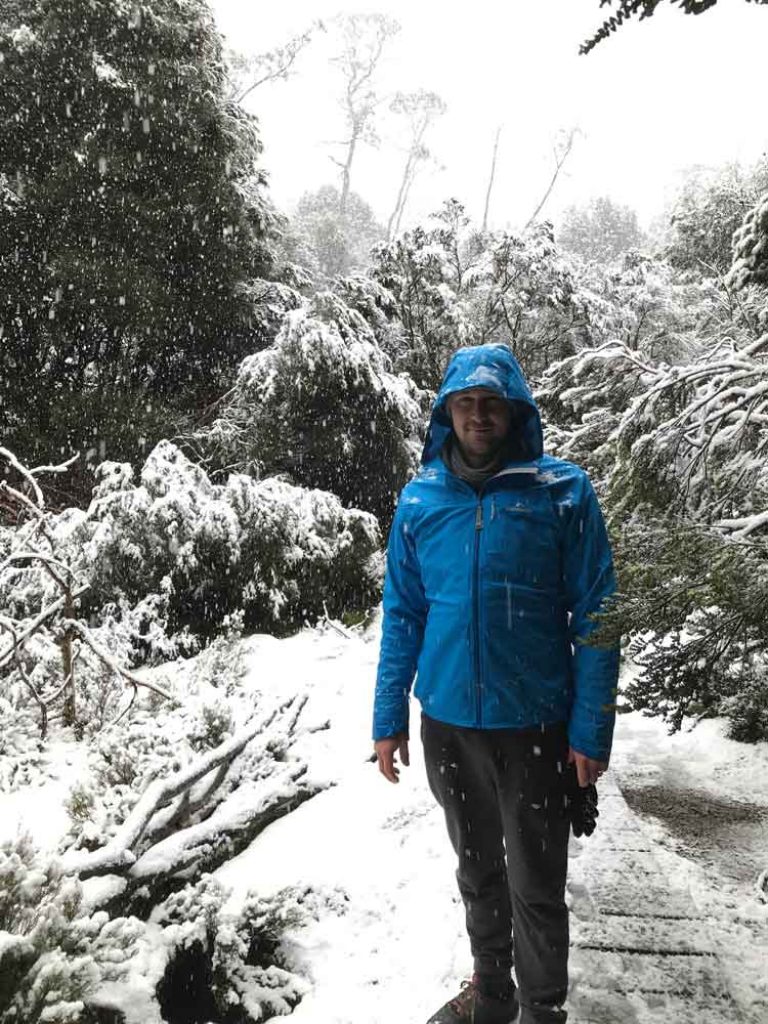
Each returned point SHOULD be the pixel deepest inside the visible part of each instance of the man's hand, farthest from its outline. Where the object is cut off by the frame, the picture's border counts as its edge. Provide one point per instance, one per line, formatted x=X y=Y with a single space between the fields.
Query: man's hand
x=385 y=753
x=588 y=771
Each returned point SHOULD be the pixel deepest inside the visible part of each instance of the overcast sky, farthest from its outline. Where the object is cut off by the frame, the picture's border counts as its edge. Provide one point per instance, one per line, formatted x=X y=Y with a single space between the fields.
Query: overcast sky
x=656 y=98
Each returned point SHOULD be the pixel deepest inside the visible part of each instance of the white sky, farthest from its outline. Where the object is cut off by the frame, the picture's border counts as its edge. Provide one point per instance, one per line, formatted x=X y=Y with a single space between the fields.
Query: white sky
x=657 y=97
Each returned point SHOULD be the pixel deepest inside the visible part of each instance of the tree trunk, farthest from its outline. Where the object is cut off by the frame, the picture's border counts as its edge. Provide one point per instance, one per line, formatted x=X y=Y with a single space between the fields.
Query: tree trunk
x=490 y=180
x=560 y=159
x=67 y=663
x=346 y=174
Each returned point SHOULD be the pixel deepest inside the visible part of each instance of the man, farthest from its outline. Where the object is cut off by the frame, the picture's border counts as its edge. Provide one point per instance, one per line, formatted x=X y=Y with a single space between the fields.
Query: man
x=497 y=559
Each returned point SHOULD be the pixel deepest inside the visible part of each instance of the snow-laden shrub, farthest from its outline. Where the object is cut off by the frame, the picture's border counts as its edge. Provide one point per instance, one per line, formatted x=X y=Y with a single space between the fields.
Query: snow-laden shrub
x=41 y=979
x=125 y=757
x=747 y=709
x=243 y=946
x=222 y=665
x=275 y=551
x=322 y=406
x=22 y=757
x=159 y=565
x=58 y=960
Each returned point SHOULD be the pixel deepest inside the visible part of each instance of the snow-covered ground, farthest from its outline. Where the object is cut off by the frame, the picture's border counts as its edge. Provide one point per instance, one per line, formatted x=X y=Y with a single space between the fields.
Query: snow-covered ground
x=391 y=944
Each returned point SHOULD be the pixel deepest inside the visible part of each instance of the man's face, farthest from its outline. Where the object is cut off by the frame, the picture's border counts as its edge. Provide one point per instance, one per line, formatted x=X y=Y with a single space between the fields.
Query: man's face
x=480 y=420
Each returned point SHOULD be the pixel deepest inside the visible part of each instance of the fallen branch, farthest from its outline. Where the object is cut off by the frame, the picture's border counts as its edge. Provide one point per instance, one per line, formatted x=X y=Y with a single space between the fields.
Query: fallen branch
x=118 y=854
x=244 y=814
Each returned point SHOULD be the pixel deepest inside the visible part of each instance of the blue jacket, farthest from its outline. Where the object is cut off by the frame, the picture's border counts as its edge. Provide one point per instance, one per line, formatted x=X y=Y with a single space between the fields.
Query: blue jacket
x=488 y=595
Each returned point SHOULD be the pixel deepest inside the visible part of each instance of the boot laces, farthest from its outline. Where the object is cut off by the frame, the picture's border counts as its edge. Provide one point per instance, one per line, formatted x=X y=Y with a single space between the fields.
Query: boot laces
x=466 y=998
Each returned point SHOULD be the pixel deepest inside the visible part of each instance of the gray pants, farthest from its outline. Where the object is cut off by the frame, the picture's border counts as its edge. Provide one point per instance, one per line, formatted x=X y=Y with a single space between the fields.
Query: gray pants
x=503 y=794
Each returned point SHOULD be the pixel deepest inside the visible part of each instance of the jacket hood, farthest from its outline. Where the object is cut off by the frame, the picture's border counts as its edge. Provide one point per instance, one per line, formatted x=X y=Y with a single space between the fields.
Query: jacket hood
x=493 y=367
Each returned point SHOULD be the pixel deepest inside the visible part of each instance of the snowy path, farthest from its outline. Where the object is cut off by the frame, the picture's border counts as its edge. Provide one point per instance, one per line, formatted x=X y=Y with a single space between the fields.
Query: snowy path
x=645 y=948
x=653 y=940
x=666 y=923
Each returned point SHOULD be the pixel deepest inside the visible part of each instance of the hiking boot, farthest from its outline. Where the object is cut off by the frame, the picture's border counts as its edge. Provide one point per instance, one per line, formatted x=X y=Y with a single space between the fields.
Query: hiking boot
x=471 y=1006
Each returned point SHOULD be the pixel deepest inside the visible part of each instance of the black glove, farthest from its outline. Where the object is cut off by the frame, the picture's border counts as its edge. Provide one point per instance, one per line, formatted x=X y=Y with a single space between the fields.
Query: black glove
x=582 y=804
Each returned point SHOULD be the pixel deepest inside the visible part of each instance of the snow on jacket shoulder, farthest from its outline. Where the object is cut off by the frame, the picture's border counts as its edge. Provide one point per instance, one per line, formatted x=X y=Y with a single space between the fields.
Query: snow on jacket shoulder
x=488 y=596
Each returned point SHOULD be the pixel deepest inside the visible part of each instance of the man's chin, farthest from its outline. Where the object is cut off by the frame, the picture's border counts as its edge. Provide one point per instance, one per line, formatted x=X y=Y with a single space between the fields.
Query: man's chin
x=485 y=451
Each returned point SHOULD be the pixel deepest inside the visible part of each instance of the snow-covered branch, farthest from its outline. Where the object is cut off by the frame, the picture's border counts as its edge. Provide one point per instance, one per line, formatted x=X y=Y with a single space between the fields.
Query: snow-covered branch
x=120 y=853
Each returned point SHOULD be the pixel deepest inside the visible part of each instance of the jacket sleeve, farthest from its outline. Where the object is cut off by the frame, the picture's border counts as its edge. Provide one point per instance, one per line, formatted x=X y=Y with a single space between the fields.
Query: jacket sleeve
x=405 y=614
x=589 y=579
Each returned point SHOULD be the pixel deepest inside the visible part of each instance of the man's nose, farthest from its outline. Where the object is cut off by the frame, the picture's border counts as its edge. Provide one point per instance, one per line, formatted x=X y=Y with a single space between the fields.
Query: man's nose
x=480 y=411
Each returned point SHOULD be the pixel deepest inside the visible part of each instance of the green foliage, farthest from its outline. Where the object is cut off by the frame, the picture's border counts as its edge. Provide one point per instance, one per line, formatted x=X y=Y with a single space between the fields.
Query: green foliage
x=212 y=726
x=80 y=804
x=256 y=938
x=131 y=218
x=696 y=607
x=42 y=978
x=671 y=424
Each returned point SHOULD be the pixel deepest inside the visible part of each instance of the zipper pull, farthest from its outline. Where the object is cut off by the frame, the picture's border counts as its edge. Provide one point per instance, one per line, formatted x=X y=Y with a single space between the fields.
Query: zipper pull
x=479 y=517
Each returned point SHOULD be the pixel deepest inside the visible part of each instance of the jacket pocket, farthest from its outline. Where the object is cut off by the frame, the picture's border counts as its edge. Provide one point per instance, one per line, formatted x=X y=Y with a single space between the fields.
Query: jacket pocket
x=522 y=544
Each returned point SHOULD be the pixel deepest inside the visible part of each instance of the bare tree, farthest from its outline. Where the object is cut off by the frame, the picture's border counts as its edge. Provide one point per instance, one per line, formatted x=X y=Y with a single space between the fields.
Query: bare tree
x=363 y=38
x=250 y=71
x=491 y=179
x=420 y=109
x=561 y=150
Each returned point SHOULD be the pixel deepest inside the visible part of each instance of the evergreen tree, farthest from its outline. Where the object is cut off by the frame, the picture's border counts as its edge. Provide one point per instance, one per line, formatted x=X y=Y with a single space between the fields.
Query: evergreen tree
x=131 y=221
x=335 y=243
x=676 y=437
x=323 y=407
x=750 y=247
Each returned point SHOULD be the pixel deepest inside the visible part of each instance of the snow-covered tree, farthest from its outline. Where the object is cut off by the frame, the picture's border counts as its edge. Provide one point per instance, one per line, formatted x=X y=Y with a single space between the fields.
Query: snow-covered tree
x=419 y=110
x=131 y=218
x=362 y=39
x=679 y=449
x=323 y=406
x=750 y=247
x=600 y=230
x=332 y=243
x=454 y=286
x=708 y=209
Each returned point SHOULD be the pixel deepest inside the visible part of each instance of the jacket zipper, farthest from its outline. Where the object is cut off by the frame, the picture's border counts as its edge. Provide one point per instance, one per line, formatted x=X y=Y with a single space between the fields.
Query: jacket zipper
x=476 y=616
